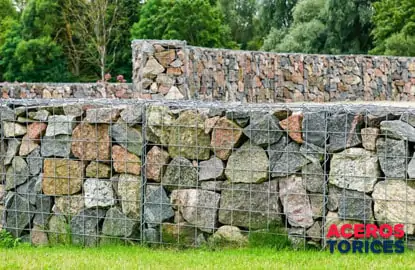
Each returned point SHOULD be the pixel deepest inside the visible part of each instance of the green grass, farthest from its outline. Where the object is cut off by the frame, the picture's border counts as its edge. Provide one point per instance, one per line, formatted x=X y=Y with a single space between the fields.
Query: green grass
x=128 y=257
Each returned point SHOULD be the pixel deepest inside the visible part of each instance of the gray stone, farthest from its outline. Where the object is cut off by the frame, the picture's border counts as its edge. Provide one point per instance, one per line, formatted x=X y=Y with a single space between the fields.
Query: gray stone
x=43 y=210
x=295 y=202
x=354 y=168
x=297 y=238
x=355 y=205
x=174 y=94
x=334 y=194
x=276 y=150
x=85 y=227
x=313 y=177
x=159 y=119
x=318 y=205
x=129 y=138
x=264 y=130
x=118 y=224
x=249 y=164
x=2 y=194
x=180 y=173
x=392 y=156
x=58 y=230
x=98 y=192
x=398 y=130
x=157 y=206
x=314 y=128
x=101 y=115
x=230 y=234
x=312 y=152
x=19 y=213
x=59 y=146
x=73 y=109
x=253 y=206
x=129 y=193
x=379 y=114
x=369 y=137
x=408 y=118
x=12 y=150
x=69 y=205
x=198 y=207
x=411 y=167
x=39 y=236
x=60 y=124
x=31 y=189
x=290 y=162
x=41 y=115
x=212 y=185
x=241 y=117
x=17 y=173
x=343 y=130
x=7 y=114
x=132 y=115
x=151 y=236
x=35 y=162
x=315 y=232
x=11 y=129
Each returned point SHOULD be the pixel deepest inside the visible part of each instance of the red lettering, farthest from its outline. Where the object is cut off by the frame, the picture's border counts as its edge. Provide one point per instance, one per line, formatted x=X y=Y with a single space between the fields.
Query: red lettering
x=359 y=230
x=343 y=231
x=382 y=231
x=333 y=232
x=371 y=231
x=399 y=232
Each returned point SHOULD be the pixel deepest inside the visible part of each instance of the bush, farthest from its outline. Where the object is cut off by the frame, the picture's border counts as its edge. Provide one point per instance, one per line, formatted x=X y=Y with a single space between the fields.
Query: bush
x=7 y=240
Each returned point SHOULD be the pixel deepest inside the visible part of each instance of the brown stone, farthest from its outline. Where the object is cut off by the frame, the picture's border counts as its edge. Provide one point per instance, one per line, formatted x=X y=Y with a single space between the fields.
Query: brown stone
x=156 y=160
x=369 y=136
x=293 y=125
x=62 y=176
x=36 y=130
x=91 y=142
x=174 y=71
x=165 y=57
x=125 y=162
x=39 y=236
x=210 y=123
x=27 y=146
x=225 y=136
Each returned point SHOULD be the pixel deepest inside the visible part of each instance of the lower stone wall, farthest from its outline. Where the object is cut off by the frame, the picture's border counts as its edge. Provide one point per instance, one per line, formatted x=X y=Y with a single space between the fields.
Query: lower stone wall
x=89 y=172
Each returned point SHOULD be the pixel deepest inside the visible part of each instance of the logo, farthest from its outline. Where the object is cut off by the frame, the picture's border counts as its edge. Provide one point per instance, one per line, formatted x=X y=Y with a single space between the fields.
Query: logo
x=366 y=238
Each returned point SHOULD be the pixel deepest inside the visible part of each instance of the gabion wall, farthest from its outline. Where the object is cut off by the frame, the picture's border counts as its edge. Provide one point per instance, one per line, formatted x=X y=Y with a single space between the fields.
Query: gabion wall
x=90 y=172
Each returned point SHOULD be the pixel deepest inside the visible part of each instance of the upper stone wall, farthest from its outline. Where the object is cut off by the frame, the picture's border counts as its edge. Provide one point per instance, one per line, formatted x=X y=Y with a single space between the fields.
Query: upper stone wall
x=173 y=70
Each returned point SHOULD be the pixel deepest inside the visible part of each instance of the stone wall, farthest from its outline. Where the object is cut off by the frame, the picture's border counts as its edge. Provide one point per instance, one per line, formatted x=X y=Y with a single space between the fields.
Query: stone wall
x=173 y=70
x=189 y=173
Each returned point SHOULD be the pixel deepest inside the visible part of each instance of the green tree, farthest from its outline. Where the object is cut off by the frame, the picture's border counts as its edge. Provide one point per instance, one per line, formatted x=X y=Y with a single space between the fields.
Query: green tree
x=7 y=10
x=275 y=14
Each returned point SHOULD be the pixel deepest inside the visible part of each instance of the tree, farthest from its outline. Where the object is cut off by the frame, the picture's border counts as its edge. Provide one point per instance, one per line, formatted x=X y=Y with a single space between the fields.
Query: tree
x=275 y=14
x=195 y=21
x=7 y=10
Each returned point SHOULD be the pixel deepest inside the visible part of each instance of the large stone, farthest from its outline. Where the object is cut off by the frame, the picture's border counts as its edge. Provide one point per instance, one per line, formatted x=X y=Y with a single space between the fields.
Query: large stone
x=254 y=206
x=293 y=125
x=188 y=138
x=230 y=234
x=318 y=205
x=125 y=162
x=211 y=169
x=198 y=207
x=379 y=114
x=19 y=213
x=180 y=174
x=2 y=194
x=36 y=130
x=398 y=130
x=344 y=131
x=35 y=162
x=91 y=142
x=56 y=146
x=127 y=137
x=157 y=206
x=392 y=156
x=118 y=224
x=69 y=205
x=152 y=68
x=43 y=210
x=182 y=233
x=213 y=185
x=17 y=173
x=249 y=164
x=263 y=130
x=58 y=232
x=165 y=57
x=73 y=109
x=62 y=176
x=369 y=137
x=314 y=232
x=85 y=227
x=41 y=115
x=27 y=146
x=354 y=168
x=394 y=203
x=225 y=136
x=13 y=146
x=159 y=121
x=156 y=161
x=240 y=116
x=313 y=177
x=174 y=94
x=411 y=167
x=129 y=192
x=60 y=124
x=290 y=162
x=132 y=115
x=210 y=124
x=98 y=192
x=101 y=115
x=39 y=236
x=7 y=114
x=30 y=189
x=314 y=128
x=354 y=205
x=98 y=170
x=11 y=129
x=295 y=201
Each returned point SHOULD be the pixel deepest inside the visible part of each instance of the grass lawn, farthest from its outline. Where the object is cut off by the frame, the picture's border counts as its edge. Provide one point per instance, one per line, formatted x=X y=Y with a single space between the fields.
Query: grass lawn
x=146 y=258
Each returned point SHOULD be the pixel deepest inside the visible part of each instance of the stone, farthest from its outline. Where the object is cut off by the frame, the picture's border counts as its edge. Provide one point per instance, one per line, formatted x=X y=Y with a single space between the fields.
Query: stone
x=7 y=114
x=41 y=115
x=85 y=227
x=297 y=238
x=98 y=170
x=17 y=173
x=127 y=137
x=27 y=146
x=151 y=236
x=318 y=205
x=165 y=57
x=35 y=162
x=369 y=137
x=118 y=224
x=30 y=189
x=282 y=114
x=210 y=123
x=211 y=169
x=355 y=169
x=56 y=146
x=394 y=203
x=188 y=138
x=354 y=205
x=225 y=136
x=253 y=206
x=314 y=128
x=313 y=177
x=125 y=162
x=241 y=117
x=398 y=130
x=183 y=233
x=129 y=192
x=91 y=142
x=408 y=118
x=180 y=173
x=263 y=130
x=2 y=194
x=19 y=213
x=174 y=94
x=69 y=205
x=295 y=201
x=60 y=124
x=392 y=156
x=39 y=236
x=98 y=192
x=159 y=121
x=293 y=125
x=13 y=129
x=343 y=130
x=152 y=69
x=249 y=164
x=157 y=206
x=58 y=230
x=13 y=146
x=315 y=232
x=73 y=109
x=36 y=130
x=62 y=176
x=290 y=162
x=101 y=115
x=230 y=234
x=312 y=152
x=212 y=185
x=156 y=162
x=43 y=210
x=133 y=114
x=198 y=207
x=411 y=167
x=333 y=218
x=379 y=114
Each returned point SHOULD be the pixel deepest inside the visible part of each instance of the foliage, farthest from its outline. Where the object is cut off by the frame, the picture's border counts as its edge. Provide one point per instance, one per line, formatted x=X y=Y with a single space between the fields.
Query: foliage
x=7 y=240
x=274 y=237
